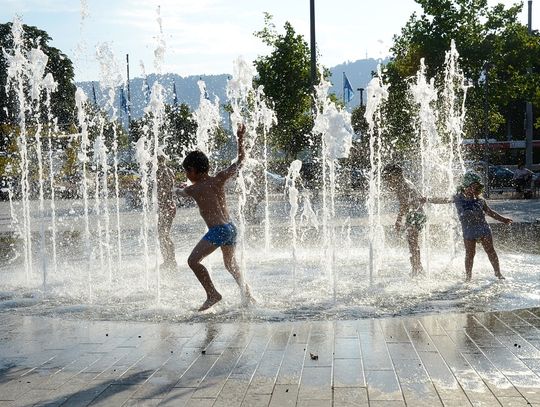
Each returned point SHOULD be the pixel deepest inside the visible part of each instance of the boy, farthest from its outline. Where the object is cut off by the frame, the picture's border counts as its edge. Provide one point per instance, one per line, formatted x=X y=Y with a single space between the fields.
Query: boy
x=410 y=206
x=166 y=212
x=472 y=210
x=208 y=192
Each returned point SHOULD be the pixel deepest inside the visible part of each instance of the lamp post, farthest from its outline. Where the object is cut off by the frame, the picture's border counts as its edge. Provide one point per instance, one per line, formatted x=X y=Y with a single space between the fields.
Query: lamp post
x=361 y=90
x=314 y=79
x=487 y=66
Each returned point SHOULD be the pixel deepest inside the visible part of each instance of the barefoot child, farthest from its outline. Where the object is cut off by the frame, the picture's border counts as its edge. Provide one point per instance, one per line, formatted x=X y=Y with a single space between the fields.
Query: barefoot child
x=208 y=192
x=472 y=210
x=410 y=206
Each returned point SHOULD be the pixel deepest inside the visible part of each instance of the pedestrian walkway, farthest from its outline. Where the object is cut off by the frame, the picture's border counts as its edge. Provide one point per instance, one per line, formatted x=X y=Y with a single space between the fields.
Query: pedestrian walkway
x=478 y=359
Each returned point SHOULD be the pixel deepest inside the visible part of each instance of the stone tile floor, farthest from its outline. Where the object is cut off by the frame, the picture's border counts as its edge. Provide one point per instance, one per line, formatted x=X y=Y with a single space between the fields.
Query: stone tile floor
x=478 y=359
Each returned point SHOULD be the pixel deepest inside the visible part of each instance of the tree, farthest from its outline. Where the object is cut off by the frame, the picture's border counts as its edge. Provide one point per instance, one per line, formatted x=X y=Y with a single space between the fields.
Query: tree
x=177 y=131
x=285 y=75
x=62 y=101
x=59 y=65
x=482 y=34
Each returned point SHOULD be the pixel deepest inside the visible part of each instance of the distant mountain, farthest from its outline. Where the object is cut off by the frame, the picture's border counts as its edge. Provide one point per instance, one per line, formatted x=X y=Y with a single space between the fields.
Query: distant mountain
x=358 y=73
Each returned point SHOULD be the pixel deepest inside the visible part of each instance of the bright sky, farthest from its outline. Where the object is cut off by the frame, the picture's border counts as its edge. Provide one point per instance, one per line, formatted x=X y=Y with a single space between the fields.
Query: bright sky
x=205 y=36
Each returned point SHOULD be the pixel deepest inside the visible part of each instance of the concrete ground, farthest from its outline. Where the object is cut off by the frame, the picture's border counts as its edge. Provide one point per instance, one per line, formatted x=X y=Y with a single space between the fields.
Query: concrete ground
x=475 y=359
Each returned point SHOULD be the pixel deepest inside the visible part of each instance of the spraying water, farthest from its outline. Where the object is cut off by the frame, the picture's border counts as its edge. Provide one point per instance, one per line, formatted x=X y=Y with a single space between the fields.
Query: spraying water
x=16 y=79
x=52 y=128
x=110 y=79
x=208 y=118
x=334 y=127
x=292 y=191
x=37 y=61
x=377 y=94
x=80 y=103
x=439 y=126
x=249 y=106
x=118 y=300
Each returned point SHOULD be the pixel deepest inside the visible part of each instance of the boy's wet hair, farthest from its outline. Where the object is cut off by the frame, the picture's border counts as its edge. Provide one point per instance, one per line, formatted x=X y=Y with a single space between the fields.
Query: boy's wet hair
x=392 y=169
x=196 y=160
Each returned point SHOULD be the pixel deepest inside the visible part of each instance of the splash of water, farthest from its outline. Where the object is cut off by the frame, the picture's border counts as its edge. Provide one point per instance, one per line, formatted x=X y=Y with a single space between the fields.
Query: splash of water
x=267 y=119
x=16 y=80
x=208 y=118
x=292 y=191
x=439 y=127
x=377 y=94
x=52 y=128
x=333 y=125
x=37 y=61
x=83 y=157
x=249 y=107
x=110 y=79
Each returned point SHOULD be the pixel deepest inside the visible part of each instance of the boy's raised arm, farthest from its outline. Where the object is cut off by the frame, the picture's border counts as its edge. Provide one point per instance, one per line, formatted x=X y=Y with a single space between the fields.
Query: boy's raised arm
x=234 y=167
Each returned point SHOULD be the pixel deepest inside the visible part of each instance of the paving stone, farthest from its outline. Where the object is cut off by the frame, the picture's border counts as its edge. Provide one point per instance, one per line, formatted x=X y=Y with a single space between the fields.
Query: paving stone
x=350 y=397
x=232 y=393
x=284 y=395
x=383 y=385
x=316 y=384
x=349 y=373
x=476 y=359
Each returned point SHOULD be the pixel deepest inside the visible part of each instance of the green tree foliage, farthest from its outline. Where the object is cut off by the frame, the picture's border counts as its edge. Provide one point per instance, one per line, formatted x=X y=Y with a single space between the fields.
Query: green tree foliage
x=62 y=101
x=177 y=132
x=482 y=34
x=285 y=75
x=59 y=65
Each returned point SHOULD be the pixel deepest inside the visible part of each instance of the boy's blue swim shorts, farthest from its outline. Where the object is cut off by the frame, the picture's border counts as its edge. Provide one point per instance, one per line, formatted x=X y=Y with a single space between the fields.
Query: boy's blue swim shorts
x=222 y=235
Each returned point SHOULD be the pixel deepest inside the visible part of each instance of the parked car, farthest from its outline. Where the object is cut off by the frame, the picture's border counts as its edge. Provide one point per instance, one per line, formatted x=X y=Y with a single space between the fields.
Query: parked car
x=500 y=177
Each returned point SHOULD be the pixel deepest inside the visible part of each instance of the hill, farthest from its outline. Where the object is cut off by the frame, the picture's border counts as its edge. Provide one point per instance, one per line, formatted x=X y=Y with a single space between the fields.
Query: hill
x=358 y=72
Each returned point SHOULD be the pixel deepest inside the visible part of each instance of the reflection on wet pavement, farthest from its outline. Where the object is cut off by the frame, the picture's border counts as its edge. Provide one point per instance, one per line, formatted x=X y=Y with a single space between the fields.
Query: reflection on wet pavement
x=484 y=358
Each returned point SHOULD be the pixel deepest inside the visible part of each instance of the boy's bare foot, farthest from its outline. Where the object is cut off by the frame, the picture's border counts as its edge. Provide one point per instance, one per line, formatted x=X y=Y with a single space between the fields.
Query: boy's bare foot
x=500 y=276
x=248 y=298
x=210 y=301
x=467 y=279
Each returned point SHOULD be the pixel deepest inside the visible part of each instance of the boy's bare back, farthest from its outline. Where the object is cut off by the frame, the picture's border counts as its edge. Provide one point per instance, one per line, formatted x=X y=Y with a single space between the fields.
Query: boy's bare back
x=209 y=191
x=210 y=197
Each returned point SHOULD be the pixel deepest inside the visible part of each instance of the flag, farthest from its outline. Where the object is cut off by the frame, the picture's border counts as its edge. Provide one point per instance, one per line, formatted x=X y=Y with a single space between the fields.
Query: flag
x=123 y=101
x=94 y=93
x=175 y=94
x=348 y=92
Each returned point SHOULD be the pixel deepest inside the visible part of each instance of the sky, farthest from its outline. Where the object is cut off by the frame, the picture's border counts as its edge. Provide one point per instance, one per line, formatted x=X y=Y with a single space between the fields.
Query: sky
x=206 y=36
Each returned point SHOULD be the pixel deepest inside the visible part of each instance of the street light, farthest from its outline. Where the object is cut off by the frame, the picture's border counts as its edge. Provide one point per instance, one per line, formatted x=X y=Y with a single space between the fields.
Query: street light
x=361 y=90
x=314 y=79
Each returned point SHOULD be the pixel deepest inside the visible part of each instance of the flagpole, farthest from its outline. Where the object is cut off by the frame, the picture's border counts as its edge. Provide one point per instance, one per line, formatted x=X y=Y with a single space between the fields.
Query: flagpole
x=314 y=80
x=94 y=93
x=343 y=87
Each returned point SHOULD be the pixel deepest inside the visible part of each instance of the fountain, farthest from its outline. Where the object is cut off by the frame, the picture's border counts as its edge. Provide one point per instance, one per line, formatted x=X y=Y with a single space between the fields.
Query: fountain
x=96 y=257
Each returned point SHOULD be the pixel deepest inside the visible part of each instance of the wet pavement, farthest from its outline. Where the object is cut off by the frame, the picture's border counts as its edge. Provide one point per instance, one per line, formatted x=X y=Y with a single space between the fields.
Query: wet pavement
x=474 y=359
